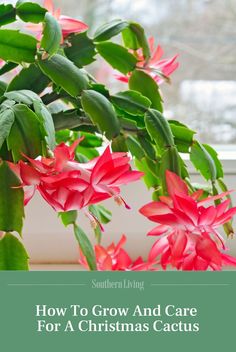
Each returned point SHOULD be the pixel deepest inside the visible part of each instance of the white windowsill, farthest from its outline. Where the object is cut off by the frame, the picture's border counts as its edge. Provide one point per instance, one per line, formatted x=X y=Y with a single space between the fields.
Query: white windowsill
x=226 y=152
x=56 y=267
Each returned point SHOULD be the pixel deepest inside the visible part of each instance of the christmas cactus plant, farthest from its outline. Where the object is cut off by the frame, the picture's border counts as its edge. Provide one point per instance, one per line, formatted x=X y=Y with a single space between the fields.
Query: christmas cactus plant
x=64 y=135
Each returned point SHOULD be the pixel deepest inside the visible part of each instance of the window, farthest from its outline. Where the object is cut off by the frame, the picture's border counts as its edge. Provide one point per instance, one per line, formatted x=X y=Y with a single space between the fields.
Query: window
x=203 y=33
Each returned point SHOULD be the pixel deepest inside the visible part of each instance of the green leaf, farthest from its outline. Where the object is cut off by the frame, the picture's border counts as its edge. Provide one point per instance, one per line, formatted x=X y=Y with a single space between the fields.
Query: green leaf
x=150 y=180
x=101 y=112
x=130 y=39
x=17 y=47
x=63 y=136
x=147 y=146
x=4 y=153
x=23 y=96
x=109 y=30
x=51 y=34
x=68 y=217
x=119 y=144
x=159 y=129
x=218 y=165
x=86 y=247
x=30 y=78
x=203 y=161
x=12 y=200
x=86 y=128
x=224 y=188
x=134 y=147
x=81 y=158
x=7 y=14
x=25 y=135
x=135 y=120
x=128 y=123
x=13 y=255
x=68 y=119
x=3 y=87
x=6 y=104
x=145 y=84
x=104 y=217
x=184 y=171
x=101 y=213
x=228 y=229
x=183 y=136
x=141 y=38
x=30 y=11
x=153 y=166
x=47 y=121
x=7 y=118
x=117 y=56
x=81 y=50
x=8 y=66
x=98 y=234
x=90 y=140
x=56 y=106
x=89 y=153
x=56 y=96
x=100 y=88
x=65 y=74
x=132 y=102
x=169 y=161
x=205 y=187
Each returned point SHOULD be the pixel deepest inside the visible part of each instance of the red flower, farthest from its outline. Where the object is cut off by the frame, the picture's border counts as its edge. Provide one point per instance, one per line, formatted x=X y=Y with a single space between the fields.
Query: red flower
x=159 y=69
x=115 y=258
x=189 y=228
x=68 y=25
x=69 y=185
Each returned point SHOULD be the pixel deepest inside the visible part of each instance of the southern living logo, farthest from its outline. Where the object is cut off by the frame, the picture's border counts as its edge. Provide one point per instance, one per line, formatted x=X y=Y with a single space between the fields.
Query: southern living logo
x=122 y=284
x=95 y=319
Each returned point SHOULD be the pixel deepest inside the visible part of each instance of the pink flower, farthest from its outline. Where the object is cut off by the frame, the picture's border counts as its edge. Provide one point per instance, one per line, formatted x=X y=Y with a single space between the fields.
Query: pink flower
x=69 y=185
x=68 y=25
x=115 y=258
x=188 y=226
x=159 y=69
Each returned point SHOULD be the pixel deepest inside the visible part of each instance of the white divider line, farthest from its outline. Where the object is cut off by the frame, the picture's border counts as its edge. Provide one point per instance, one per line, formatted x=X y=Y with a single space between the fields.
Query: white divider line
x=186 y=284
x=44 y=284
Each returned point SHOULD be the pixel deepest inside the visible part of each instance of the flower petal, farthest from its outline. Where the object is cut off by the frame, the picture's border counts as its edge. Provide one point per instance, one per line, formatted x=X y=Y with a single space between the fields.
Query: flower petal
x=175 y=185
x=178 y=241
x=213 y=198
x=221 y=208
x=159 y=246
x=154 y=208
x=123 y=260
x=28 y=174
x=158 y=230
x=70 y=25
x=48 y=4
x=188 y=206
x=208 y=251
x=28 y=194
x=207 y=215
